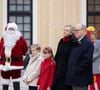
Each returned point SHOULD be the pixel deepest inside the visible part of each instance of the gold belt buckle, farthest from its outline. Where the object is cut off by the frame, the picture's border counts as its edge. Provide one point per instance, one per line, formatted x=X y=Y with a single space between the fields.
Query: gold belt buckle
x=8 y=61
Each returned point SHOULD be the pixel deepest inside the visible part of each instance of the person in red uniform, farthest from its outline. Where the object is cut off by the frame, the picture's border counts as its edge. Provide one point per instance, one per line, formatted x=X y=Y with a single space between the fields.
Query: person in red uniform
x=90 y=29
x=47 y=70
x=12 y=48
x=96 y=59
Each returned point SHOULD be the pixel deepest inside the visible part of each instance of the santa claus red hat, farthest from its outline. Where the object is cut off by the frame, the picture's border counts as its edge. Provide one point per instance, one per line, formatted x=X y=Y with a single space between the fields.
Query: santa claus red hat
x=12 y=25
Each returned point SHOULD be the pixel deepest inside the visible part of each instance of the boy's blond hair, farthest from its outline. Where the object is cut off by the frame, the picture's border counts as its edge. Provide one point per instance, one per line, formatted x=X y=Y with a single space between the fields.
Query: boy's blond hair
x=36 y=46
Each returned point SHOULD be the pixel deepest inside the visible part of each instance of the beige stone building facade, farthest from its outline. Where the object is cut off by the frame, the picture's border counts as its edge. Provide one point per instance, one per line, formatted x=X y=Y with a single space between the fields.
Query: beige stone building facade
x=49 y=18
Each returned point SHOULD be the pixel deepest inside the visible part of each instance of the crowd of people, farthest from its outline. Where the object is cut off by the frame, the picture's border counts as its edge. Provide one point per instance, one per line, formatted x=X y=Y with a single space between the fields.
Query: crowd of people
x=75 y=66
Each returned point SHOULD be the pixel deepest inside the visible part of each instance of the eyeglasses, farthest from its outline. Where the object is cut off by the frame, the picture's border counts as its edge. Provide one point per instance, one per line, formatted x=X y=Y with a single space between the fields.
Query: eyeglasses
x=77 y=30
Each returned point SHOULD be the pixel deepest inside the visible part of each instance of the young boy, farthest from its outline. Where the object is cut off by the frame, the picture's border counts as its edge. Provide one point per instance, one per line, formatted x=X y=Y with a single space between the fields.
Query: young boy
x=33 y=69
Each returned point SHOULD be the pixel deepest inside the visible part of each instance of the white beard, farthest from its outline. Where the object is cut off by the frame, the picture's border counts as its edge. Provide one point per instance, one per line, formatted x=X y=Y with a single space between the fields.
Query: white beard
x=10 y=39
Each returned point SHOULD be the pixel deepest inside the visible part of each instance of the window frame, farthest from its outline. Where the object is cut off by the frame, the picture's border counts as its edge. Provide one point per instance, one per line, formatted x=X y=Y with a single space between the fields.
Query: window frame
x=92 y=13
x=22 y=13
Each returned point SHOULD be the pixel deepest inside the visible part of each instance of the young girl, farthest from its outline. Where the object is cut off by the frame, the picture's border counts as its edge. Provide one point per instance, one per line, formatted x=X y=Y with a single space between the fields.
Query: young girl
x=47 y=70
x=32 y=72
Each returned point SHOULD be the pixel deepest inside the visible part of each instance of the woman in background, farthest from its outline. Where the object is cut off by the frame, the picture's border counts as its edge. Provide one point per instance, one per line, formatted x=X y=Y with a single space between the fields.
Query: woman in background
x=96 y=62
x=61 y=58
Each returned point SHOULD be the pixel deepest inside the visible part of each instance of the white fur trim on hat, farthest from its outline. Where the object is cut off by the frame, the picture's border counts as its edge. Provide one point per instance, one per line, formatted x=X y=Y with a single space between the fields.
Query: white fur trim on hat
x=12 y=25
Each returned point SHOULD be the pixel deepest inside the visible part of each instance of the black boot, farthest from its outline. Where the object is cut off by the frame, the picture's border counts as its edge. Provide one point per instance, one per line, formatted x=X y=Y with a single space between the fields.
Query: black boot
x=32 y=88
x=5 y=87
x=16 y=85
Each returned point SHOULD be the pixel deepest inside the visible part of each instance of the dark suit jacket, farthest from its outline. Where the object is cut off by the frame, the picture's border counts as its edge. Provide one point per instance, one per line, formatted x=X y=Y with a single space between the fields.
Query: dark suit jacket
x=79 y=70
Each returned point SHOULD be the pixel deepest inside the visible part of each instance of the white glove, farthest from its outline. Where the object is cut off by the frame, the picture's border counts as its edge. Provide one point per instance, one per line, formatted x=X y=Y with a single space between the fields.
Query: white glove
x=5 y=68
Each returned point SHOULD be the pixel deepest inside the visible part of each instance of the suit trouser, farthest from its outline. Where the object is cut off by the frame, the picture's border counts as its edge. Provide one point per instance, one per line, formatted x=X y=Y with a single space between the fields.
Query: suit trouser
x=16 y=86
x=80 y=88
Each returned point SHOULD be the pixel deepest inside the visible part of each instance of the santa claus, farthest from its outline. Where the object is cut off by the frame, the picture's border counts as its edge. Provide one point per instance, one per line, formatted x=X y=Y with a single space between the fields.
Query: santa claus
x=12 y=48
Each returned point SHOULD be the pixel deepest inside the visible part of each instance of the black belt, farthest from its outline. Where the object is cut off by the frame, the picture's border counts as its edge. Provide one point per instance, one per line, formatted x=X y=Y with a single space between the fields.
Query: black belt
x=8 y=59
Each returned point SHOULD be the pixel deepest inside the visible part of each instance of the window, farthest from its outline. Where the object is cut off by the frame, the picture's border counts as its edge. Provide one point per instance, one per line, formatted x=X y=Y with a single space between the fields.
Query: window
x=93 y=13
x=20 y=12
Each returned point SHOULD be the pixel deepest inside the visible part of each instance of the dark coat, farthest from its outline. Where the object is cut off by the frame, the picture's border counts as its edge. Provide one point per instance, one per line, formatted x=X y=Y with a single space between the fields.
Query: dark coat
x=61 y=57
x=79 y=71
x=26 y=60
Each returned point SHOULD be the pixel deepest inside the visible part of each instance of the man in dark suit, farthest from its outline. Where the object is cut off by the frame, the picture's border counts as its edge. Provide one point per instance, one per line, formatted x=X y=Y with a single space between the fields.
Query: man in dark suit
x=79 y=70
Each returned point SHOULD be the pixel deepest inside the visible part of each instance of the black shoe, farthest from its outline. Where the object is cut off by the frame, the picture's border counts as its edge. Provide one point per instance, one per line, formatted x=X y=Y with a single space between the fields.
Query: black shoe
x=16 y=85
x=5 y=87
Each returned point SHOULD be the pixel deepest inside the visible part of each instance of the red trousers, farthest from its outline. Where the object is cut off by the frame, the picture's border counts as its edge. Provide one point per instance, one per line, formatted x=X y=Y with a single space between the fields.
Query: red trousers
x=92 y=87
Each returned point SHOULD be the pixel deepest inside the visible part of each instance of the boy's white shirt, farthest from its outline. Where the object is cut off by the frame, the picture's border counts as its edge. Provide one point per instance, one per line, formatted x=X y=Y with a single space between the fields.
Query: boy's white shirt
x=33 y=69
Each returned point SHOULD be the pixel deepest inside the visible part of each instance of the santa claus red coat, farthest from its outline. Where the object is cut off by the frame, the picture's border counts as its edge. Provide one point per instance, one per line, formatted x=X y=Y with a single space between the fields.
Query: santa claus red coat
x=18 y=50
